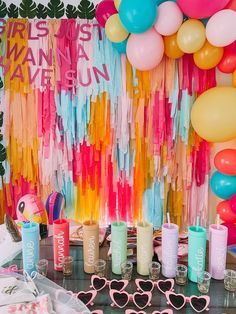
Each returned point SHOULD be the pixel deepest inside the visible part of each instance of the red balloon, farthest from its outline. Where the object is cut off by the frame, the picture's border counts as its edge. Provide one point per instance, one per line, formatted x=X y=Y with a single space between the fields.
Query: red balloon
x=232 y=203
x=231 y=5
x=231 y=233
x=225 y=212
x=104 y=10
x=228 y=62
x=225 y=161
x=200 y=9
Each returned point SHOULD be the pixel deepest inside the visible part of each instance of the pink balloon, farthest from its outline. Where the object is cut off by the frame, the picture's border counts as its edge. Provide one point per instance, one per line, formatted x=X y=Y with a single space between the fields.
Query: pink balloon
x=104 y=10
x=232 y=203
x=231 y=232
x=145 y=50
x=200 y=9
x=221 y=28
x=169 y=18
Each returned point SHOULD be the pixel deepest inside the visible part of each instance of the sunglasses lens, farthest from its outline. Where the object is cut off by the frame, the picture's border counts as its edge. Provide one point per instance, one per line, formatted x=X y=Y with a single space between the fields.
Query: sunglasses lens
x=85 y=297
x=121 y=299
x=141 y=300
x=117 y=285
x=198 y=304
x=99 y=283
x=164 y=286
x=177 y=300
x=146 y=286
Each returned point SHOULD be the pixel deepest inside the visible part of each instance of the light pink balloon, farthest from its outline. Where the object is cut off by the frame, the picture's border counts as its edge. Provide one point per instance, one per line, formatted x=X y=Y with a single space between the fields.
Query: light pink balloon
x=145 y=50
x=169 y=18
x=221 y=28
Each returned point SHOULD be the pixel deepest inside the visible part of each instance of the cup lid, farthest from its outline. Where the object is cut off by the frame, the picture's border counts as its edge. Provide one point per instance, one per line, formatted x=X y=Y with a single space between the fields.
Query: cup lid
x=171 y=228
x=218 y=228
x=197 y=231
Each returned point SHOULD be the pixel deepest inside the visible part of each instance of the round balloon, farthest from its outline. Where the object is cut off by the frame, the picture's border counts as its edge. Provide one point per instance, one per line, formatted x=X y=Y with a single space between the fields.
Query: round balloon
x=104 y=10
x=191 y=36
x=145 y=51
x=225 y=212
x=228 y=62
x=221 y=28
x=169 y=18
x=234 y=79
x=225 y=161
x=137 y=16
x=208 y=56
x=231 y=233
x=200 y=9
x=222 y=185
x=121 y=47
x=117 y=4
x=114 y=30
x=171 y=47
x=213 y=114
x=232 y=203
x=158 y=2
x=231 y=5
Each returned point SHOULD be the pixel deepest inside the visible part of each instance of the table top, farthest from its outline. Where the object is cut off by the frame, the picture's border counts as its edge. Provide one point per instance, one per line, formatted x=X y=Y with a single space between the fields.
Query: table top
x=221 y=302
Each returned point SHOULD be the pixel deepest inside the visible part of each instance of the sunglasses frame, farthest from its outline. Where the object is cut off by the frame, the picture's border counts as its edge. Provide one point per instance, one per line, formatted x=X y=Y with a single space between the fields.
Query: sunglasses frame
x=187 y=300
x=108 y=282
x=93 y=292
x=130 y=297
x=167 y=311
x=155 y=283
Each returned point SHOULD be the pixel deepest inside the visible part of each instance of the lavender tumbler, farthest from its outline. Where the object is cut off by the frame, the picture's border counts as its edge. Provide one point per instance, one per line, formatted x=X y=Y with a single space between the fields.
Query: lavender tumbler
x=218 y=236
x=170 y=237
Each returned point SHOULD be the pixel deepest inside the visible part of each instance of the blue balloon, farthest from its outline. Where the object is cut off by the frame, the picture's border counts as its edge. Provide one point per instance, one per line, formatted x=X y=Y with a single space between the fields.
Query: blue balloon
x=137 y=16
x=158 y=2
x=222 y=185
x=204 y=21
x=121 y=47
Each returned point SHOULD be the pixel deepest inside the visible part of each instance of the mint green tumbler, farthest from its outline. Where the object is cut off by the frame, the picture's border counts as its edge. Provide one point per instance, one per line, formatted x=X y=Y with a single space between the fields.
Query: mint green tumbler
x=118 y=245
x=196 y=251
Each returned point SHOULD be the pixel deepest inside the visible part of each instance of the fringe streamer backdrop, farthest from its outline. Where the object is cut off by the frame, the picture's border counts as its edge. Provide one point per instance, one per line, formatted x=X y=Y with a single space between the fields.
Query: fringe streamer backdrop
x=126 y=142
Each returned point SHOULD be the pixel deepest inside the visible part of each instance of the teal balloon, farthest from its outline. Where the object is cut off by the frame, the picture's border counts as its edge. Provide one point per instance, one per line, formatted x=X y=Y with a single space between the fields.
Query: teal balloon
x=121 y=47
x=137 y=16
x=158 y=2
x=222 y=185
x=204 y=21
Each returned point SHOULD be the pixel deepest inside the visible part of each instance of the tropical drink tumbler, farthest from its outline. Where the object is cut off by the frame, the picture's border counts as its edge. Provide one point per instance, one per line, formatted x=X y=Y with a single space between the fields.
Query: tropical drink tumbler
x=30 y=246
x=144 y=247
x=118 y=245
x=218 y=248
x=90 y=245
x=196 y=251
x=170 y=238
x=60 y=242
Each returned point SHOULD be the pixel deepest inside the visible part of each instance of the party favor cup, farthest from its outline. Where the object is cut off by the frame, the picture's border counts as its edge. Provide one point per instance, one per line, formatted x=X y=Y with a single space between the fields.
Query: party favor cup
x=144 y=247
x=60 y=242
x=30 y=246
x=218 y=249
x=90 y=245
x=196 y=251
x=170 y=238
x=118 y=245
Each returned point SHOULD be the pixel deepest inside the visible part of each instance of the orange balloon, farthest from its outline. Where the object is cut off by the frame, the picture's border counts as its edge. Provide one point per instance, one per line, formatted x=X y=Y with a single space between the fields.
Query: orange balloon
x=171 y=48
x=208 y=56
x=234 y=78
x=225 y=161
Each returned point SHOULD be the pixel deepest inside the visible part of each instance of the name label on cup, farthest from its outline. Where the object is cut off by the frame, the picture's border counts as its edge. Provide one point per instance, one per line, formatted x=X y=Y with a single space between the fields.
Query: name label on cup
x=91 y=251
x=60 y=244
x=199 y=259
x=116 y=253
x=29 y=255
x=220 y=258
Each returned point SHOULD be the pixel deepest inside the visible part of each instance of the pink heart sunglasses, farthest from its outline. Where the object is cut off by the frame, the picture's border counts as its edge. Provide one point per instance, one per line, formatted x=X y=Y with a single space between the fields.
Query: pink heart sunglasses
x=99 y=283
x=122 y=298
x=148 y=285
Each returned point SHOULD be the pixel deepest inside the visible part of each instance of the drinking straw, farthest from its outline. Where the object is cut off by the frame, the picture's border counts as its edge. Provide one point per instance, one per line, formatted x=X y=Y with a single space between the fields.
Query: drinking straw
x=218 y=221
x=117 y=217
x=61 y=213
x=198 y=222
x=168 y=219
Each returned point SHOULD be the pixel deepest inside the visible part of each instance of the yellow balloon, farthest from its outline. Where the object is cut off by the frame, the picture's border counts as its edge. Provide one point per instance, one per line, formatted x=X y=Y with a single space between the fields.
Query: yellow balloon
x=117 y=4
x=171 y=48
x=234 y=78
x=208 y=56
x=114 y=30
x=191 y=36
x=213 y=114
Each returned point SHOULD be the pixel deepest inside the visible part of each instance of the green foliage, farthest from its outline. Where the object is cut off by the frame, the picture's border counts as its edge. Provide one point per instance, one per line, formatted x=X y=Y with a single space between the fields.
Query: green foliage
x=1 y=119
x=41 y=11
x=12 y=11
x=1 y=86
x=86 y=10
x=71 y=12
x=3 y=154
x=3 y=9
x=55 y=9
x=28 y=9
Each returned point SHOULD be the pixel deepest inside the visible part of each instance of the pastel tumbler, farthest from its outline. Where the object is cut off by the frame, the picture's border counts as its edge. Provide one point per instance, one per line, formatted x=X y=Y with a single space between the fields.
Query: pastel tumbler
x=118 y=245
x=218 y=236
x=30 y=246
x=144 y=247
x=90 y=245
x=60 y=242
x=169 y=247
x=196 y=251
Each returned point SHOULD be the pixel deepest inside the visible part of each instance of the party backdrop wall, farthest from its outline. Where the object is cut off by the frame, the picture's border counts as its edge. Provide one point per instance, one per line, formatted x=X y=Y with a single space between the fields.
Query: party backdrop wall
x=77 y=118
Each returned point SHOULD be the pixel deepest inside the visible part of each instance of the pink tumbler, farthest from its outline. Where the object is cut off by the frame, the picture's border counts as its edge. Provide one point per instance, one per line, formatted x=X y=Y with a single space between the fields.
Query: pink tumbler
x=60 y=242
x=170 y=237
x=218 y=235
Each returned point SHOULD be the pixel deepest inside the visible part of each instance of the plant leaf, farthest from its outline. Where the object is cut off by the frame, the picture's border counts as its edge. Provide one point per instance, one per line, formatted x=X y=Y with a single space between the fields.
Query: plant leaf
x=86 y=10
x=3 y=153
x=2 y=170
x=1 y=119
x=41 y=11
x=12 y=11
x=55 y=9
x=1 y=83
x=28 y=9
x=3 y=9
x=71 y=12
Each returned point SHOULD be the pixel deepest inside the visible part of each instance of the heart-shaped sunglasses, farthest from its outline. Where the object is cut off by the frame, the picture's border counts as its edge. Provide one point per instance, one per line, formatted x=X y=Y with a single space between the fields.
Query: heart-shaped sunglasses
x=148 y=285
x=122 y=298
x=178 y=301
x=99 y=283
x=167 y=311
